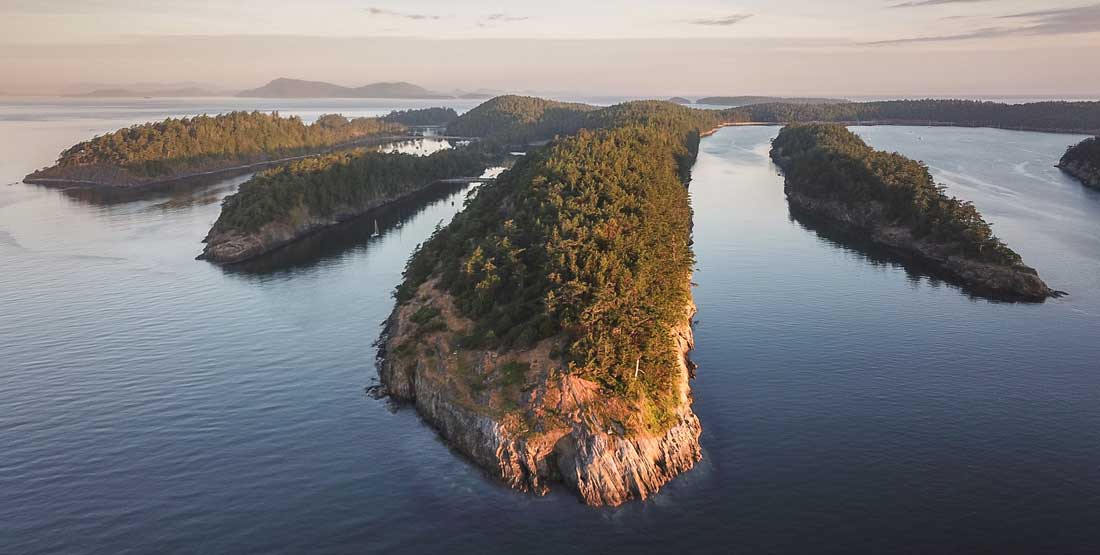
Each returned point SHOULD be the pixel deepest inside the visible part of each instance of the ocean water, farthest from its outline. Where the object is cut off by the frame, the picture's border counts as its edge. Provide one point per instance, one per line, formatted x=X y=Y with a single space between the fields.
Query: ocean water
x=154 y=403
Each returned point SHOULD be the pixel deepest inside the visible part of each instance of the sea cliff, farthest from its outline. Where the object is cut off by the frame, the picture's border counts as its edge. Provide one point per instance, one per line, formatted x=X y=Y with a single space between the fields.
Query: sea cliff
x=524 y=419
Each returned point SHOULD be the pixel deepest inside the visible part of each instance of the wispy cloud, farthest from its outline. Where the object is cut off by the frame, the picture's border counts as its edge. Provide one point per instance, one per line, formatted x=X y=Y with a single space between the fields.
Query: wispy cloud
x=1065 y=21
x=923 y=3
x=503 y=17
x=720 y=21
x=403 y=15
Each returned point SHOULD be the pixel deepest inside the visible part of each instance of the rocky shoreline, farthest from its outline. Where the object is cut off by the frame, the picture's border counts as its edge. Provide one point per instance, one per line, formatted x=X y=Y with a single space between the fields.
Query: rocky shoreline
x=1018 y=283
x=549 y=427
x=1084 y=172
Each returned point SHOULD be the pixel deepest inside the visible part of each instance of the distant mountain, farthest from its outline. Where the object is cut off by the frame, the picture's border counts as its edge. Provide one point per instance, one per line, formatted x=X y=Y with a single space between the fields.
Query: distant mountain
x=679 y=100
x=735 y=101
x=130 y=93
x=297 y=88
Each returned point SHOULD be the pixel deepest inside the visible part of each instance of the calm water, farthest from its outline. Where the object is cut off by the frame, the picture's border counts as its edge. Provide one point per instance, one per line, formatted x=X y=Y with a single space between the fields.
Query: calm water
x=153 y=403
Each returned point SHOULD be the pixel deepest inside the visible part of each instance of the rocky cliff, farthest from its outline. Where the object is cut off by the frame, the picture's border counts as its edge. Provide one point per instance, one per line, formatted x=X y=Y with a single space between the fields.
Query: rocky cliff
x=523 y=418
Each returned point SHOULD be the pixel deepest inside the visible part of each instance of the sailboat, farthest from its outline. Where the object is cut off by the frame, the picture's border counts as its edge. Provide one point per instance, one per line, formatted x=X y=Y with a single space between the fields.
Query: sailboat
x=375 y=234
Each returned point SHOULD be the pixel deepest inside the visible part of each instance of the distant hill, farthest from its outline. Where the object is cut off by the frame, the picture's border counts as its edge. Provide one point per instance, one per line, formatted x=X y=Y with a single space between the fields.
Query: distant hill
x=735 y=101
x=297 y=88
x=679 y=100
x=129 y=93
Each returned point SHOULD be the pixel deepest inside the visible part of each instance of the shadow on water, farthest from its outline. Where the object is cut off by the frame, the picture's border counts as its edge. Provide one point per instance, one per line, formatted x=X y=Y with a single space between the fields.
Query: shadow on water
x=857 y=243
x=195 y=191
x=352 y=235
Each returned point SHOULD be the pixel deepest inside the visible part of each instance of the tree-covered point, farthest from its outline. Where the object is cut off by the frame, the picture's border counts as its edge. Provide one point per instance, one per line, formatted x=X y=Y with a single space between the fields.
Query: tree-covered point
x=1086 y=152
x=1052 y=116
x=323 y=186
x=424 y=116
x=830 y=162
x=588 y=238
x=175 y=144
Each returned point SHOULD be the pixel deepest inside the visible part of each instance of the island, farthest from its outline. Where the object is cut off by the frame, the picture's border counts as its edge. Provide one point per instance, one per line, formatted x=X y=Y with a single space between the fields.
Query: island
x=737 y=101
x=298 y=88
x=1052 y=117
x=679 y=100
x=287 y=203
x=894 y=202
x=1083 y=161
x=544 y=332
x=205 y=147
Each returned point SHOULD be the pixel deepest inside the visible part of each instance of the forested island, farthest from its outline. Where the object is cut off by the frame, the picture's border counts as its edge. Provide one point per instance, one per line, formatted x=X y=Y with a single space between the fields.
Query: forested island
x=1055 y=117
x=737 y=101
x=545 y=331
x=892 y=200
x=222 y=145
x=1083 y=161
x=289 y=202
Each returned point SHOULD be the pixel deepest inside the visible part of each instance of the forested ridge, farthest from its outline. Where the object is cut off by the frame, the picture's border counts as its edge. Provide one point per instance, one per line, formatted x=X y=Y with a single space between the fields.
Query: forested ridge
x=1043 y=116
x=322 y=186
x=587 y=240
x=830 y=162
x=169 y=146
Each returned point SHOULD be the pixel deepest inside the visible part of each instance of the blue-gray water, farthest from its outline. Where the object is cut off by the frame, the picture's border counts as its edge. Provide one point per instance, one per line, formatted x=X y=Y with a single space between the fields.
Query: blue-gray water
x=154 y=403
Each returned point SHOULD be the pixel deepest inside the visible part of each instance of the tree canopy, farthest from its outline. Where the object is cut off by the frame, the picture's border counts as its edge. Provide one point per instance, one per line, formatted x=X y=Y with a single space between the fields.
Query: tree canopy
x=829 y=161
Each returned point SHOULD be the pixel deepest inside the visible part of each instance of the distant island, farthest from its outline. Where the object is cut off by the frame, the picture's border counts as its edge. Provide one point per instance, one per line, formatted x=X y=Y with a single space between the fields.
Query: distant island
x=297 y=88
x=1083 y=161
x=737 y=101
x=219 y=146
x=679 y=100
x=185 y=92
x=892 y=200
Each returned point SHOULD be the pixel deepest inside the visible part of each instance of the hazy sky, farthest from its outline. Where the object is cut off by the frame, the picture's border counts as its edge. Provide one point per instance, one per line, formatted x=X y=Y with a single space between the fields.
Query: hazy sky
x=858 y=47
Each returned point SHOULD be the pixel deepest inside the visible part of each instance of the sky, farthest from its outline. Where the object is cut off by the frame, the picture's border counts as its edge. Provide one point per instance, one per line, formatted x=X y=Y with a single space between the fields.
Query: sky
x=613 y=47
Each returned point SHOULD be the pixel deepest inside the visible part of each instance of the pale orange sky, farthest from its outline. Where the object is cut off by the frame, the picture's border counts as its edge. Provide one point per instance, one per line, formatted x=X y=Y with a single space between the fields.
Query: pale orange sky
x=861 y=47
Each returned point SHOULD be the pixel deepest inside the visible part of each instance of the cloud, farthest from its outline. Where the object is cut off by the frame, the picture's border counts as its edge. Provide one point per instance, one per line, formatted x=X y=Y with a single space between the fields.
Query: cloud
x=503 y=17
x=403 y=15
x=923 y=3
x=721 y=21
x=1066 y=21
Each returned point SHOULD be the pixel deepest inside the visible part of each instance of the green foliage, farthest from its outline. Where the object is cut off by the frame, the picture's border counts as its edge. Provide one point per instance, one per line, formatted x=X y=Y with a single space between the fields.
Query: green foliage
x=324 y=186
x=1054 y=116
x=175 y=145
x=424 y=314
x=520 y=119
x=513 y=373
x=588 y=238
x=829 y=161
x=425 y=116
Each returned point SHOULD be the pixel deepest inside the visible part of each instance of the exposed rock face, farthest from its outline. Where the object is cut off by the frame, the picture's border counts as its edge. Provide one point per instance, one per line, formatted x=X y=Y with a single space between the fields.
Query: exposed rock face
x=551 y=427
x=1085 y=172
x=1015 y=283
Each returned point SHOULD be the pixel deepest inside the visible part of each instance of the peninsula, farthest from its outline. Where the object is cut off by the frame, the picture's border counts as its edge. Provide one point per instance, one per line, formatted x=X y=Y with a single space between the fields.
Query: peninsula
x=287 y=203
x=892 y=200
x=545 y=331
x=1083 y=161
x=217 y=146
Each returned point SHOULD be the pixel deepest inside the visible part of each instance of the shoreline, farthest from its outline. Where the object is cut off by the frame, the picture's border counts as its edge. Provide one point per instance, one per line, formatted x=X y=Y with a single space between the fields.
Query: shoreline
x=571 y=443
x=226 y=172
x=995 y=282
